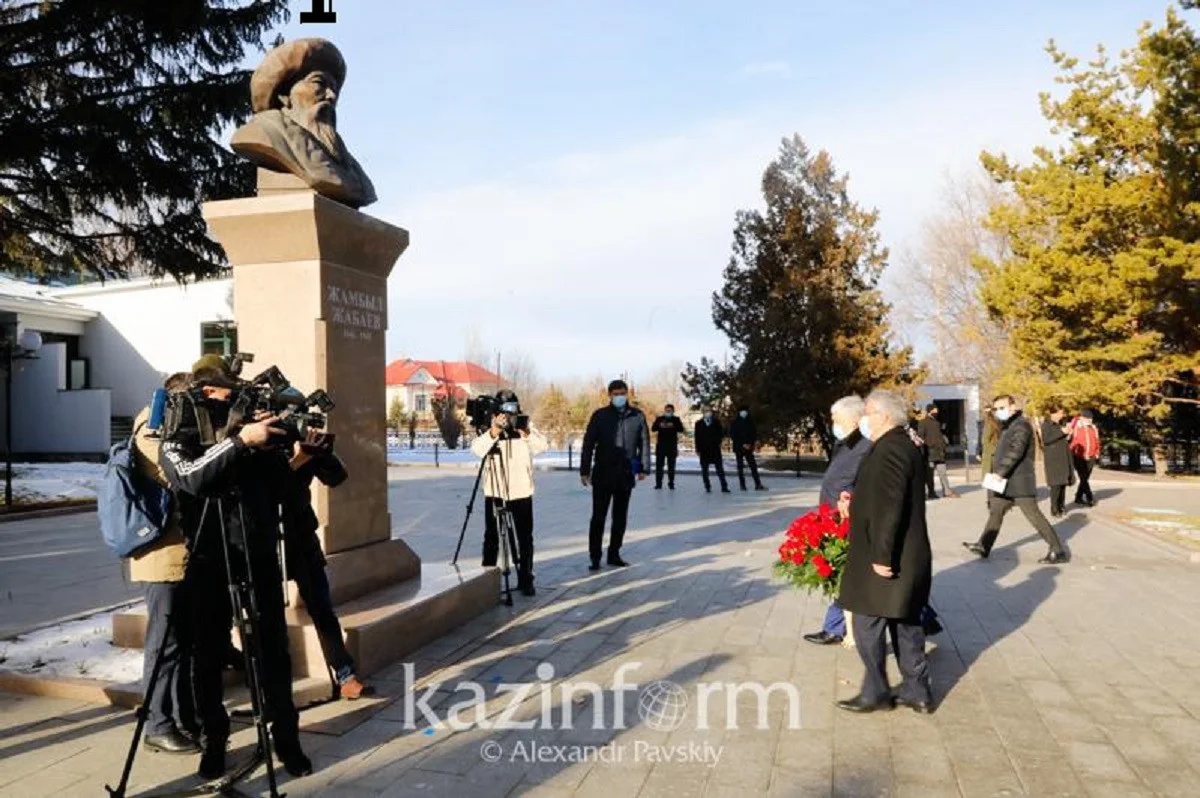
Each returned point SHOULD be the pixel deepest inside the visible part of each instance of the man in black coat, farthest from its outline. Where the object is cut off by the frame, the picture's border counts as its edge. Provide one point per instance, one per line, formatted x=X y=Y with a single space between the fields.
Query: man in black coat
x=1057 y=460
x=848 y=453
x=744 y=435
x=618 y=441
x=889 y=566
x=1013 y=461
x=667 y=429
x=930 y=430
x=709 y=435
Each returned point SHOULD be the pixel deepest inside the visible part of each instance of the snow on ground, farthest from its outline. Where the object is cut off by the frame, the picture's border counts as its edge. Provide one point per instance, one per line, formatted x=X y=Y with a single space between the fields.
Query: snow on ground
x=80 y=649
x=38 y=482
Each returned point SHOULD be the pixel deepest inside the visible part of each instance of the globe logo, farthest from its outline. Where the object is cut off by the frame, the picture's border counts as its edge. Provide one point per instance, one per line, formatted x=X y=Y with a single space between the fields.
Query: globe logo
x=662 y=705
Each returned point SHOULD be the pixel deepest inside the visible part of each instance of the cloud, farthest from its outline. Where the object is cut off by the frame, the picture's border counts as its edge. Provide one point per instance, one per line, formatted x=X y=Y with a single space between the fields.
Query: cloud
x=775 y=69
x=606 y=260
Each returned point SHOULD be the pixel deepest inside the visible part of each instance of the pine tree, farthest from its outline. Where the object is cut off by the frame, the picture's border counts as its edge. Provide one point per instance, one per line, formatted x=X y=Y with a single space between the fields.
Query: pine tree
x=800 y=303
x=1101 y=288
x=111 y=120
x=396 y=415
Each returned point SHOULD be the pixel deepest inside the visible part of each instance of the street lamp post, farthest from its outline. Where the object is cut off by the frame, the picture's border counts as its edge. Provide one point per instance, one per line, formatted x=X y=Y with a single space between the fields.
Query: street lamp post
x=13 y=348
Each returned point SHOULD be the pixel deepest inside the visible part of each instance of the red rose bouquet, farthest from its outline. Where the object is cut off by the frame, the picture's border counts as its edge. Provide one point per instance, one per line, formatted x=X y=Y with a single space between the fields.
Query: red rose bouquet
x=814 y=552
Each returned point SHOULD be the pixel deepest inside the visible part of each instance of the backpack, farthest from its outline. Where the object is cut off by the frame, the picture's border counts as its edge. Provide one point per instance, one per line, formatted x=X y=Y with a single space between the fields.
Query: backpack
x=134 y=510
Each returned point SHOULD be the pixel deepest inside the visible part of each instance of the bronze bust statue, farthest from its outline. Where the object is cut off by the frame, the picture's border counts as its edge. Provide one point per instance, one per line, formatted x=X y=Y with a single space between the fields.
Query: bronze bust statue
x=294 y=95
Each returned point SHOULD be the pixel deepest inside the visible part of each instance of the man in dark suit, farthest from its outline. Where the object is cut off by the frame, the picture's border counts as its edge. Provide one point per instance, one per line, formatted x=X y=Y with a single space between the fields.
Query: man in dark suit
x=930 y=430
x=848 y=452
x=667 y=429
x=709 y=435
x=744 y=435
x=615 y=450
x=889 y=566
x=1013 y=462
x=1057 y=460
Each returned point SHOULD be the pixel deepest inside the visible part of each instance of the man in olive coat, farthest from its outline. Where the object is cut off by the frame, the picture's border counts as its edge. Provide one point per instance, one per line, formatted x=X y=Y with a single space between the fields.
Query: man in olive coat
x=889 y=566
x=1057 y=461
x=1013 y=462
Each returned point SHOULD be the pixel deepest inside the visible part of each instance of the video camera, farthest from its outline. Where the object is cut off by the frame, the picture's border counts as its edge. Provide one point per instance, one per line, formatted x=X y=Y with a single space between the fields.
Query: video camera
x=269 y=392
x=483 y=408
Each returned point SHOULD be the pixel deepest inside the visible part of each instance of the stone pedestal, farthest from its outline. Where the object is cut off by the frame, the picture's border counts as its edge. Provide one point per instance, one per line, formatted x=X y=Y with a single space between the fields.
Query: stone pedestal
x=310 y=296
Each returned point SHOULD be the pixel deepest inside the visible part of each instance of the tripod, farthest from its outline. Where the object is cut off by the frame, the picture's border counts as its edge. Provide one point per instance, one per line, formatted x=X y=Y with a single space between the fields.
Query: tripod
x=505 y=526
x=245 y=612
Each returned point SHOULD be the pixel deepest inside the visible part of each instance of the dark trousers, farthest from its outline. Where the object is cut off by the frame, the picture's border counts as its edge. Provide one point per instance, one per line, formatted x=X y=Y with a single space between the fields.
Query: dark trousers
x=664 y=458
x=908 y=641
x=720 y=466
x=930 y=487
x=602 y=497
x=313 y=584
x=999 y=507
x=167 y=617
x=212 y=616
x=1058 y=499
x=522 y=548
x=745 y=458
x=1083 y=493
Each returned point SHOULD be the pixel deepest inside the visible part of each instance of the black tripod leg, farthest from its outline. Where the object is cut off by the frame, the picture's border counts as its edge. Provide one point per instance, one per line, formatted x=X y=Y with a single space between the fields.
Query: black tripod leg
x=470 y=506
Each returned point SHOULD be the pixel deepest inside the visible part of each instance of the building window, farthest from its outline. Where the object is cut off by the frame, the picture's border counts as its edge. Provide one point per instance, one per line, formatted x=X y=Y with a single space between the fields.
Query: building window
x=421 y=403
x=218 y=338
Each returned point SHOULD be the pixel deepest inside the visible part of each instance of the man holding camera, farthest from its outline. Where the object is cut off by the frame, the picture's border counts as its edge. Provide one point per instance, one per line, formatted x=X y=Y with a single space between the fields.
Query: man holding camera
x=613 y=461
x=508 y=484
x=667 y=429
x=228 y=475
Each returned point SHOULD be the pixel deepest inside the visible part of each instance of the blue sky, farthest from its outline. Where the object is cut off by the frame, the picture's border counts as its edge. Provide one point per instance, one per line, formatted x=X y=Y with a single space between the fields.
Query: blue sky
x=569 y=171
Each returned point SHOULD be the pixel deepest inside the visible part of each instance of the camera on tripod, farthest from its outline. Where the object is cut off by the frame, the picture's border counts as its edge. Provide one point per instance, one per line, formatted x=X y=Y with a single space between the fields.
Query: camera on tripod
x=483 y=409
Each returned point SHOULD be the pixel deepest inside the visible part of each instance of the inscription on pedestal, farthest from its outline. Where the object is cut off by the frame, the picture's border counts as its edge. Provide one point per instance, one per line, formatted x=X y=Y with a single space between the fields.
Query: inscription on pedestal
x=357 y=315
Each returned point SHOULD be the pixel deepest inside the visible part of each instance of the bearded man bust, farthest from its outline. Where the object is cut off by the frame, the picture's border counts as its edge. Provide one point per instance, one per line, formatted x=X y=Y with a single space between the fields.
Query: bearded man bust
x=294 y=95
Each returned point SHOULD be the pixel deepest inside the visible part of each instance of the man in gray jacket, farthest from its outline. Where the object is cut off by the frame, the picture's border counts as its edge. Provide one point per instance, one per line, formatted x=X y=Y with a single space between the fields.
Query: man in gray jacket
x=1013 y=462
x=618 y=441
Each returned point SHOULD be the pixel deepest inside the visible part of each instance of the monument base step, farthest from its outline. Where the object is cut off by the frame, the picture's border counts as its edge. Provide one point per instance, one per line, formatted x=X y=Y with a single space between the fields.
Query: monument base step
x=379 y=628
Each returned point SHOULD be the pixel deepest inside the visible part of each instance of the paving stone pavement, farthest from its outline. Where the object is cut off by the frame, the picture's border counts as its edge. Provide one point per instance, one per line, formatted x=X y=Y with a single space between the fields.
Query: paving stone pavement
x=1081 y=680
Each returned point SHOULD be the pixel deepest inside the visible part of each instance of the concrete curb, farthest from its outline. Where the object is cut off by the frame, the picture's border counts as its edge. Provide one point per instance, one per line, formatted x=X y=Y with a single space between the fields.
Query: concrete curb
x=94 y=691
x=49 y=512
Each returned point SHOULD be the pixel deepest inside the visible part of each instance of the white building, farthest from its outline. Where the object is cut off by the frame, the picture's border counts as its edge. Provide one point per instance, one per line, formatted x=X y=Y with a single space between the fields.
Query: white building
x=106 y=347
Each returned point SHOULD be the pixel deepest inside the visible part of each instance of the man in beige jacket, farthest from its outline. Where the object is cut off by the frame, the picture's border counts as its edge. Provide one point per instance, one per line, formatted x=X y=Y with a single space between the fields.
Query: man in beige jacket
x=171 y=724
x=508 y=482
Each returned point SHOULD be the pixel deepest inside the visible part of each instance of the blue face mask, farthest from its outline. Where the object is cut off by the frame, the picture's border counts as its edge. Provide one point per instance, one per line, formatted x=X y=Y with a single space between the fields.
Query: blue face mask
x=840 y=432
x=708 y=417
x=1003 y=414
x=669 y=414
x=620 y=401
x=743 y=413
x=864 y=426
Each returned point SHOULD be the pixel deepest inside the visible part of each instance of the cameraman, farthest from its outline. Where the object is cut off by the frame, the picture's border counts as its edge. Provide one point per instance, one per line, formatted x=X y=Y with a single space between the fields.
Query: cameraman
x=228 y=473
x=314 y=458
x=508 y=482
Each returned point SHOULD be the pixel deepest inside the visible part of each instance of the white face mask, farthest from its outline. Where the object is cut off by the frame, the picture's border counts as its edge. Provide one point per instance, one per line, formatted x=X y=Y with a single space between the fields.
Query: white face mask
x=864 y=427
x=743 y=413
x=840 y=432
x=1003 y=414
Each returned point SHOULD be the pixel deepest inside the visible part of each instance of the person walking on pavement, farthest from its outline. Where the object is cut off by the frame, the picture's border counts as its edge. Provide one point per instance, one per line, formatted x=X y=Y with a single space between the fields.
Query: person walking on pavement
x=838 y=482
x=1057 y=461
x=615 y=450
x=1085 y=452
x=709 y=435
x=744 y=435
x=930 y=430
x=1014 y=463
x=667 y=429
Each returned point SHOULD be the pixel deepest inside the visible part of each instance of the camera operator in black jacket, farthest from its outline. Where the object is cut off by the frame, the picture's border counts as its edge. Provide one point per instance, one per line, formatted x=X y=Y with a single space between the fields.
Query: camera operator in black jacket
x=304 y=558
x=238 y=468
x=667 y=429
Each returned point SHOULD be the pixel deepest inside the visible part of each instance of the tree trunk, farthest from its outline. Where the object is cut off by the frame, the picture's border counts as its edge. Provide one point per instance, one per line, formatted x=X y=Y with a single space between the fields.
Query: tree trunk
x=1162 y=462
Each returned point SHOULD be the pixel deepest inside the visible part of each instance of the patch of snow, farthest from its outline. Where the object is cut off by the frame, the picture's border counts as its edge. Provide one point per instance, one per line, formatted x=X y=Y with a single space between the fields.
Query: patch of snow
x=81 y=649
x=51 y=481
x=1155 y=510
